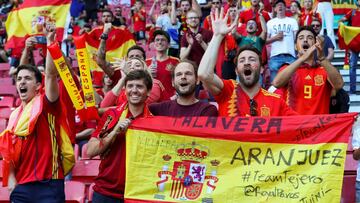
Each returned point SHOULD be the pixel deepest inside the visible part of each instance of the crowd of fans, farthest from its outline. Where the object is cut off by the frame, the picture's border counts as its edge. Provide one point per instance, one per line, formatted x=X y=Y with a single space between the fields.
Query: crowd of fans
x=208 y=58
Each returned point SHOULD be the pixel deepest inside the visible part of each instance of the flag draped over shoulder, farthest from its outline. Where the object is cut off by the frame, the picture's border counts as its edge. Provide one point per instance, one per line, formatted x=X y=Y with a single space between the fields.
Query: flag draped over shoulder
x=349 y=37
x=117 y=44
x=237 y=159
x=27 y=20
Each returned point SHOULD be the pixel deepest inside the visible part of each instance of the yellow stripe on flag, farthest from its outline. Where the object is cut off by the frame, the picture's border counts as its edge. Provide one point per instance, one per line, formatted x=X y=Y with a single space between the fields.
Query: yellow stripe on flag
x=348 y=32
x=23 y=21
x=85 y=75
x=173 y=168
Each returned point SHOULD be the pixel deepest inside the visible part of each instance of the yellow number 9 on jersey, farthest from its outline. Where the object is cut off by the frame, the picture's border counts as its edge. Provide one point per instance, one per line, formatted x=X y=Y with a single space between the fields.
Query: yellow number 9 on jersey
x=307 y=91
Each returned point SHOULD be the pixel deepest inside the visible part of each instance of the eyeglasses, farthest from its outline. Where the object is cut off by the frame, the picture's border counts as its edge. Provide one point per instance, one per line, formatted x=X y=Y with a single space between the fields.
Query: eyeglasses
x=316 y=25
x=253 y=108
x=193 y=18
x=216 y=2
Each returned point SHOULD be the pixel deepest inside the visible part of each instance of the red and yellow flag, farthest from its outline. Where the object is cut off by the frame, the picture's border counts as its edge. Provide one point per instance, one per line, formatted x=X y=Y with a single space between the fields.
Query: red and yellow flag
x=349 y=37
x=238 y=159
x=29 y=17
x=117 y=44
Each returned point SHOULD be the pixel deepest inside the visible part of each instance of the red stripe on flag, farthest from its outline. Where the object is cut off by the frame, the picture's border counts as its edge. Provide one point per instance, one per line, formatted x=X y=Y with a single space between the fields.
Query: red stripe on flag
x=306 y=129
x=35 y=3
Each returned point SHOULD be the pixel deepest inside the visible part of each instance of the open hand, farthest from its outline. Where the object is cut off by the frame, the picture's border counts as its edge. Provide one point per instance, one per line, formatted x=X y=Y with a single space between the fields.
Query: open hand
x=219 y=23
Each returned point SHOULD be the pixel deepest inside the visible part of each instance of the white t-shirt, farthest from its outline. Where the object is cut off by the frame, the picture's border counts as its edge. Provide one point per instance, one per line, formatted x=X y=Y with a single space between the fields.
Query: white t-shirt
x=289 y=27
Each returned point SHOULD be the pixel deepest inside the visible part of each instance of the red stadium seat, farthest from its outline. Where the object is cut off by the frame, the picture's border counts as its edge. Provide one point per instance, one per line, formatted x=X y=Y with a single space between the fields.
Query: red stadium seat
x=348 y=189
x=85 y=171
x=76 y=152
x=350 y=165
x=3 y=123
x=8 y=90
x=5 y=113
x=7 y=101
x=7 y=81
x=74 y=192
x=4 y=194
x=91 y=192
x=4 y=70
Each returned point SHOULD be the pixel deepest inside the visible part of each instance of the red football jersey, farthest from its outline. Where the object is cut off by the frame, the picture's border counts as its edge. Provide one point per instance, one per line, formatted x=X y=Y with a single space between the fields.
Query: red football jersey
x=234 y=101
x=309 y=90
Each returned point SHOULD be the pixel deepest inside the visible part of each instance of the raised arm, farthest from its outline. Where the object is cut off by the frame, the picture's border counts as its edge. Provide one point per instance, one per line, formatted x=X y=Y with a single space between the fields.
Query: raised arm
x=263 y=26
x=101 y=53
x=29 y=46
x=282 y=77
x=173 y=12
x=51 y=83
x=206 y=74
x=196 y=7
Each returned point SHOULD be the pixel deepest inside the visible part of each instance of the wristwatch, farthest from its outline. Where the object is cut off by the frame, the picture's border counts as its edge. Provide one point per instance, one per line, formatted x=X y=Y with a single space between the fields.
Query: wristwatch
x=104 y=36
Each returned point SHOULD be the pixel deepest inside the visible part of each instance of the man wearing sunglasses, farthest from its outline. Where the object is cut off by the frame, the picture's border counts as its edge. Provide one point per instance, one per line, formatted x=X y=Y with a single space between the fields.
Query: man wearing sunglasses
x=328 y=45
x=243 y=98
x=215 y=5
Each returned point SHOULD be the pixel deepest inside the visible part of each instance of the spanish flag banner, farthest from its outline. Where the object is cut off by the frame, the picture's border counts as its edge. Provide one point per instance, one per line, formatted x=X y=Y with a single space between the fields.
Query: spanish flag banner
x=237 y=159
x=349 y=37
x=118 y=42
x=28 y=19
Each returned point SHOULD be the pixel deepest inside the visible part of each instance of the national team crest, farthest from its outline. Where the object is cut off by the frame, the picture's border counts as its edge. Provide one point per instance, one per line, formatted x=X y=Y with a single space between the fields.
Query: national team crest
x=188 y=174
x=319 y=80
x=265 y=111
x=38 y=20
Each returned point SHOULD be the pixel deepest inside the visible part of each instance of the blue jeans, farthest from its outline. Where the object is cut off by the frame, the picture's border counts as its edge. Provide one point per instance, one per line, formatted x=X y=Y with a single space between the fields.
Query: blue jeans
x=51 y=191
x=357 y=195
x=354 y=56
x=277 y=61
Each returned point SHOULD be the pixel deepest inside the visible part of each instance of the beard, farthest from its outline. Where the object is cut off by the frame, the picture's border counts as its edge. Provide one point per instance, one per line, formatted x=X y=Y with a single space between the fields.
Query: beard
x=187 y=92
x=252 y=82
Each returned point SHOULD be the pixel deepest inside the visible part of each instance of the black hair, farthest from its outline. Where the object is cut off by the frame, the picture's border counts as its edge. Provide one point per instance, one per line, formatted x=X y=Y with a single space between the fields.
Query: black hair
x=30 y=68
x=249 y=48
x=308 y=28
x=297 y=3
x=108 y=11
x=137 y=47
x=140 y=75
x=161 y=32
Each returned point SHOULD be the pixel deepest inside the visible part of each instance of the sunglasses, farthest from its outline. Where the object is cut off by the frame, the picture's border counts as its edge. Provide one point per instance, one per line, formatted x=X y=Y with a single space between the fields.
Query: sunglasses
x=217 y=2
x=315 y=25
x=253 y=108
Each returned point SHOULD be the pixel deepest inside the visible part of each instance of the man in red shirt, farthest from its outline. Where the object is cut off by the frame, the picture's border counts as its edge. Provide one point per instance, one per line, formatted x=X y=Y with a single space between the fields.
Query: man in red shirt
x=215 y=5
x=138 y=19
x=309 y=84
x=194 y=43
x=308 y=14
x=33 y=159
x=108 y=140
x=162 y=64
x=245 y=98
x=252 y=13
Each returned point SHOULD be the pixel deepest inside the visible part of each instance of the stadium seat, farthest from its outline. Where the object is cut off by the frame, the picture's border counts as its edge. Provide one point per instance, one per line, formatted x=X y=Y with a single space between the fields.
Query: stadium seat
x=4 y=70
x=90 y=193
x=8 y=90
x=7 y=81
x=3 y=123
x=76 y=152
x=7 y=101
x=74 y=192
x=5 y=112
x=350 y=165
x=85 y=171
x=4 y=194
x=348 y=189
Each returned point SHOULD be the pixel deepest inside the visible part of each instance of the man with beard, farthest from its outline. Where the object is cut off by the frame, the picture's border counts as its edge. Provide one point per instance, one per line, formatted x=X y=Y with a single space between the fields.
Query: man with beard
x=108 y=140
x=309 y=84
x=194 y=43
x=162 y=64
x=253 y=13
x=245 y=98
x=184 y=78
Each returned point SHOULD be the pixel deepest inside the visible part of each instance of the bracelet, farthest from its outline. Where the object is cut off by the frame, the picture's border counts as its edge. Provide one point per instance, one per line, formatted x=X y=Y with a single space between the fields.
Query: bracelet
x=104 y=36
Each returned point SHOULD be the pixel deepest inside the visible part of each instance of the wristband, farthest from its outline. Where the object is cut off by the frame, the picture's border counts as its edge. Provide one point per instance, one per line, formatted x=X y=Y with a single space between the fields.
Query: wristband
x=104 y=36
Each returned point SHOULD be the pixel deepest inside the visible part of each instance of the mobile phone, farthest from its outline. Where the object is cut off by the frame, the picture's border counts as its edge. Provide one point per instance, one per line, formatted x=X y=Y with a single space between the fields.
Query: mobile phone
x=40 y=39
